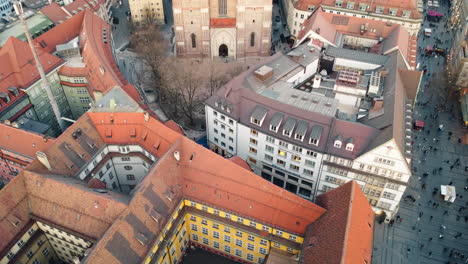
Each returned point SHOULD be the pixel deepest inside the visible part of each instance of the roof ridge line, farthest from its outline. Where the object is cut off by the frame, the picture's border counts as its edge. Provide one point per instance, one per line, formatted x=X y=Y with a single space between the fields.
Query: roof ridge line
x=348 y=220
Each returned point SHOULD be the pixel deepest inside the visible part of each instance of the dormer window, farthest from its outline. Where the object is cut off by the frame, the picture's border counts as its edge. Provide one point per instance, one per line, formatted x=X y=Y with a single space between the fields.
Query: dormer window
x=393 y=11
x=301 y=130
x=379 y=9
x=362 y=7
x=315 y=135
x=13 y=90
x=289 y=126
x=350 y=5
x=337 y=143
x=5 y=97
x=350 y=144
x=314 y=141
x=406 y=14
x=339 y=3
x=258 y=115
x=276 y=121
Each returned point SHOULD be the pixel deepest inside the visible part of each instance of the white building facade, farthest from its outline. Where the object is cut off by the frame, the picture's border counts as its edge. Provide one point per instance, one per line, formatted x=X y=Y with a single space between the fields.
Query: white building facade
x=308 y=152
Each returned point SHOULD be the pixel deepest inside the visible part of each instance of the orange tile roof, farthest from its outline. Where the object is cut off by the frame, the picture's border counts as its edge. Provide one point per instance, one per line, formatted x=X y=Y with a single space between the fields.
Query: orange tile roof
x=54 y=12
x=347 y=225
x=115 y=220
x=60 y=34
x=328 y=24
x=239 y=161
x=73 y=71
x=103 y=73
x=222 y=22
x=304 y=4
x=174 y=126
x=18 y=67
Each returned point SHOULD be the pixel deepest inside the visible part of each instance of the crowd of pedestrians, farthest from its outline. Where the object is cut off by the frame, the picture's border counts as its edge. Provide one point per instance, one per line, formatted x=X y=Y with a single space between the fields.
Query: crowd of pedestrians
x=438 y=228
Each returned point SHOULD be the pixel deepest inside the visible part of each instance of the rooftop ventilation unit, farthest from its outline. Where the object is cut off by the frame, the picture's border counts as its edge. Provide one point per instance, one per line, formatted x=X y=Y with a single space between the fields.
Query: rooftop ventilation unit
x=263 y=73
x=374 y=83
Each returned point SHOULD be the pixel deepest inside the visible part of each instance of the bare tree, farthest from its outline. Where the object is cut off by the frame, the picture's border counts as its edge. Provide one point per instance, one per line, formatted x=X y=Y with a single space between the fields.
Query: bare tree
x=150 y=47
x=184 y=84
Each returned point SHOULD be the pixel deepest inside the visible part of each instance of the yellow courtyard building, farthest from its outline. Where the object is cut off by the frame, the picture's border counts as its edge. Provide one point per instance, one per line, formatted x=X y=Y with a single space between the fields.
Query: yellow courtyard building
x=147 y=11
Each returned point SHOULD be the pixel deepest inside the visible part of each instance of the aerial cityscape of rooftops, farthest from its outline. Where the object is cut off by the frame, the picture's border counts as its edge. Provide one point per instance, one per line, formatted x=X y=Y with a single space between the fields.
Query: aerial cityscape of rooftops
x=229 y=131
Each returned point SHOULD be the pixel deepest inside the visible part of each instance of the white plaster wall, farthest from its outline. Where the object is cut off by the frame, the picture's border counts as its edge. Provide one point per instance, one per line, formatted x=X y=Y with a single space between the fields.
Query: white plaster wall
x=210 y=128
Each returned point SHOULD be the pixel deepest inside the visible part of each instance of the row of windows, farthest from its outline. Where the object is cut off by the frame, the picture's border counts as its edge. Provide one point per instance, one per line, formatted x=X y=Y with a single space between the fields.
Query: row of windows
x=227 y=249
x=239 y=220
x=378 y=9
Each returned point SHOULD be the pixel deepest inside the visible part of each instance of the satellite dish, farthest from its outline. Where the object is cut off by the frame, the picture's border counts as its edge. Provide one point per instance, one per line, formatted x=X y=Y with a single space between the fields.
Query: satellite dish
x=323 y=72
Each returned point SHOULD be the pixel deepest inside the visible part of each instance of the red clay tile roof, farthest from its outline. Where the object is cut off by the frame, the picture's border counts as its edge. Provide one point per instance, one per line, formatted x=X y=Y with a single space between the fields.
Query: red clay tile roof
x=174 y=126
x=18 y=67
x=61 y=33
x=239 y=161
x=54 y=12
x=344 y=233
x=115 y=220
x=222 y=22
x=92 y=5
x=304 y=4
x=103 y=73
x=328 y=24
x=73 y=71
x=95 y=183
x=22 y=142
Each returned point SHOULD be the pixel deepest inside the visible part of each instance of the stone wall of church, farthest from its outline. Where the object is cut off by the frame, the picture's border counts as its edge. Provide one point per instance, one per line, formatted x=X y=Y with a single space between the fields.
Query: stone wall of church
x=195 y=38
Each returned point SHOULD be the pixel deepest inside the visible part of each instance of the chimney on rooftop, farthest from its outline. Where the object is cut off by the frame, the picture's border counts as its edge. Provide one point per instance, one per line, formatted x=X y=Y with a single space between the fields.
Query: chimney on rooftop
x=14 y=124
x=7 y=122
x=42 y=157
x=146 y=116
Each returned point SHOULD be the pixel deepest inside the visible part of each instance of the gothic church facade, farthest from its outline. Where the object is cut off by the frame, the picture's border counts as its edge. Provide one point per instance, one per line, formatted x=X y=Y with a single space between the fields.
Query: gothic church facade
x=222 y=28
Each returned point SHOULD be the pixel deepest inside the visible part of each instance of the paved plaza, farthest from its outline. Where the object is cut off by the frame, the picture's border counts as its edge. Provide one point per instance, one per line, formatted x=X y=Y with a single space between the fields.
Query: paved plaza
x=428 y=229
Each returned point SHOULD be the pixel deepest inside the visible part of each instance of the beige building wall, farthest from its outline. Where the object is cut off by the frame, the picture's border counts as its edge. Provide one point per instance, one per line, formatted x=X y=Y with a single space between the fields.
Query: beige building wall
x=147 y=10
x=202 y=28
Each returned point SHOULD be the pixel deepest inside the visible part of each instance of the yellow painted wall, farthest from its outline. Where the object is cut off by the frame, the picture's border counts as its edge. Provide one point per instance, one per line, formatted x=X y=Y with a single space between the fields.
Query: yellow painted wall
x=202 y=230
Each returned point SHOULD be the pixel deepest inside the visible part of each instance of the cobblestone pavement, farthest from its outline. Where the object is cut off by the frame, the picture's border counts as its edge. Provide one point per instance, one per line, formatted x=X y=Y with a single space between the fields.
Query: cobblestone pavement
x=431 y=230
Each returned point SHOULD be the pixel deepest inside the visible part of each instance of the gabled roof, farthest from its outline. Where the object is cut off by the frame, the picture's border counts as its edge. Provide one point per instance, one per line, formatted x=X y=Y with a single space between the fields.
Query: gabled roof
x=242 y=163
x=60 y=34
x=22 y=142
x=344 y=233
x=18 y=67
x=55 y=13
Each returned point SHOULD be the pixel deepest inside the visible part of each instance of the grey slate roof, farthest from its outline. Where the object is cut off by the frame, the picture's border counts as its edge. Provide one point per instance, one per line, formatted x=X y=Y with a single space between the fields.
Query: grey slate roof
x=276 y=119
x=316 y=132
x=302 y=127
x=259 y=112
x=356 y=55
x=290 y=124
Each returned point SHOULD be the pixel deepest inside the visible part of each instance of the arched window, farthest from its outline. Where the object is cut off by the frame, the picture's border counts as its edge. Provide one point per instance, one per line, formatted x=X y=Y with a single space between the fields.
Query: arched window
x=194 y=40
x=252 y=39
x=222 y=7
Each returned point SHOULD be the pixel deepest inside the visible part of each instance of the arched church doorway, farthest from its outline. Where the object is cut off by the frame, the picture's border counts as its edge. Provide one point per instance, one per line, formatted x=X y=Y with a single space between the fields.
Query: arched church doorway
x=223 y=50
